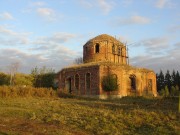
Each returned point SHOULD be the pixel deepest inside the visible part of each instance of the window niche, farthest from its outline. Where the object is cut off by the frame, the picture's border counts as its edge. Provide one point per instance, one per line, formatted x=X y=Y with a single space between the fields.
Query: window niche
x=86 y=50
x=88 y=80
x=97 y=48
x=88 y=83
x=113 y=49
x=119 y=51
x=133 y=82
x=149 y=84
x=77 y=82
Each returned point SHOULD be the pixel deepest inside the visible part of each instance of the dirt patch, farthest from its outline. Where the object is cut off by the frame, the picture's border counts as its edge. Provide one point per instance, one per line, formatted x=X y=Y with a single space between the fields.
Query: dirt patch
x=31 y=127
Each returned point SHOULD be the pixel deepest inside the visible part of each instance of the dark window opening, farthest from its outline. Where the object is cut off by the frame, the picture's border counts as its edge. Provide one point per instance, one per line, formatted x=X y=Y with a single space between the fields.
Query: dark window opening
x=77 y=81
x=68 y=85
x=150 y=84
x=113 y=49
x=88 y=80
x=119 y=51
x=97 y=48
x=133 y=82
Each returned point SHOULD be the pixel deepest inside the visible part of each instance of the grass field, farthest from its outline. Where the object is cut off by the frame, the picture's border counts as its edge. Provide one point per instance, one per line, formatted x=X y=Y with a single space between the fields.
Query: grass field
x=79 y=116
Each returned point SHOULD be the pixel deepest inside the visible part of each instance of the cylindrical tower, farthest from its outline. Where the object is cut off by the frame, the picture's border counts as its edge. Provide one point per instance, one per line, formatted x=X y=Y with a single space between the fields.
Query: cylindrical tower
x=104 y=48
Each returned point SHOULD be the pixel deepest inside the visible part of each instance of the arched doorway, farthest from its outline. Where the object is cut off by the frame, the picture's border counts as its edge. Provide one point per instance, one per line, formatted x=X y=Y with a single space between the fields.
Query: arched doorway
x=68 y=85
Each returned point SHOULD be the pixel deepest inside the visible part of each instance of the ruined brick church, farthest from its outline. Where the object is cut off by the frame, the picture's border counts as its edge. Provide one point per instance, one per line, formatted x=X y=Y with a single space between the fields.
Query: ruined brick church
x=102 y=54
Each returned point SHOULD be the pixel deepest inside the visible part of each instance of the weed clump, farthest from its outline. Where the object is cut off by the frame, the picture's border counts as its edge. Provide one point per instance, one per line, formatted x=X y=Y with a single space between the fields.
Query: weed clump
x=19 y=91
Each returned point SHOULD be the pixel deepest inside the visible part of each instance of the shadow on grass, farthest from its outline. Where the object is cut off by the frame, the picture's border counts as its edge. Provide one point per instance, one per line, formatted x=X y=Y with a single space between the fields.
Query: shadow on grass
x=2 y=133
x=130 y=103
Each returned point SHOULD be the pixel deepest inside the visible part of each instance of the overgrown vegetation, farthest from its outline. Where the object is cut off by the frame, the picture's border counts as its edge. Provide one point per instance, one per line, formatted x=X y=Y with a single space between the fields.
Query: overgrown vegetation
x=168 y=84
x=129 y=115
x=39 y=77
x=19 y=91
x=109 y=82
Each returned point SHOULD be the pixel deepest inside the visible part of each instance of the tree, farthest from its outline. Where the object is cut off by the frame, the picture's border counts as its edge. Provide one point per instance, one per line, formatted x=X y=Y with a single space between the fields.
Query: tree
x=43 y=77
x=160 y=81
x=13 y=70
x=78 y=60
x=177 y=79
x=167 y=80
x=4 y=79
x=173 y=78
x=23 y=80
x=174 y=91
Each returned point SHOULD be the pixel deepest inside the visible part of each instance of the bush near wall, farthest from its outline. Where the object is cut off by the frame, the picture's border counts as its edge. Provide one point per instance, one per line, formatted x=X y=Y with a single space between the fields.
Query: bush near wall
x=19 y=91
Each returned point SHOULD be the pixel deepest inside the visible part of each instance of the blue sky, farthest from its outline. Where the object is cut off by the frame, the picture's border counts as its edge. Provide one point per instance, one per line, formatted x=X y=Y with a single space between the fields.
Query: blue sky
x=52 y=33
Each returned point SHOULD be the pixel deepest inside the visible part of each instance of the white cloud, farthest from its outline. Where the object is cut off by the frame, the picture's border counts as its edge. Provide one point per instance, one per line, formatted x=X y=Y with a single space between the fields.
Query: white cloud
x=152 y=44
x=166 y=62
x=6 y=31
x=136 y=19
x=86 y=3
x=160 y=54
x=6 y=16
x=126 y=3
x=175 y=28
x=10 y=37
x=47 y=13
x=56 y=38
x=38 y=3
x=164 y=3
x=105 y=6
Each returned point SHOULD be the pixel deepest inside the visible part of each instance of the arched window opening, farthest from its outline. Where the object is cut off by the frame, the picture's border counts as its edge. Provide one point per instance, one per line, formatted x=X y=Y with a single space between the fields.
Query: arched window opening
x=114 y=76
x=119 y=51
x=68 y=85
x=133 y=82
x=97 y=48
x=113 y=49
x=150 y=84
x=77 y=81
x=88 y=80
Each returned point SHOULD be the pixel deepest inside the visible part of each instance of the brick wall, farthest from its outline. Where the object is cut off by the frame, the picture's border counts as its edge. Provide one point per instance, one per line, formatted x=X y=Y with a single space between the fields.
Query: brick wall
x=65 y=74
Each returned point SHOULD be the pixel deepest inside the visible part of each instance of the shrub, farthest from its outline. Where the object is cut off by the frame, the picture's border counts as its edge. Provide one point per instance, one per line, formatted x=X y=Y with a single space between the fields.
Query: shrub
x=18 y=91
x=165 y=92
x=109 y=83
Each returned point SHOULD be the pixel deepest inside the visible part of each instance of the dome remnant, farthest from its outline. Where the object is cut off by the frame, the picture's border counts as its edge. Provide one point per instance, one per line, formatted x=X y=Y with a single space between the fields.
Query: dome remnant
x=105 y=48
x=104 y=37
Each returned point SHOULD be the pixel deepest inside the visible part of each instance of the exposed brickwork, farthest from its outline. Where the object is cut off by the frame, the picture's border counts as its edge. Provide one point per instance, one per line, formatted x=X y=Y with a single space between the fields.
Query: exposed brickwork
x=101 y=55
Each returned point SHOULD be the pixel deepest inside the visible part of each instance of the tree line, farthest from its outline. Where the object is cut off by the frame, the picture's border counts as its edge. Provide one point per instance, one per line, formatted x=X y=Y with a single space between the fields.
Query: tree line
x=168 y=84
x=39 y=77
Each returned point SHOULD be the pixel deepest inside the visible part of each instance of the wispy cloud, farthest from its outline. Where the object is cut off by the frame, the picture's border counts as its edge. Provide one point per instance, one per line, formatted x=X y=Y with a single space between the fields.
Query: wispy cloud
x=136 y=19
x=156 y=46
x=6 y=16
x=38 y=3
x=126 y=3
x=174 y=28
x=86 y=4
x=156 y=43
x=47 y=13
x=164 y=3
x=47 y=51
x=10 y=37
x=104 y=5
x=155 y=62
x=56 y=38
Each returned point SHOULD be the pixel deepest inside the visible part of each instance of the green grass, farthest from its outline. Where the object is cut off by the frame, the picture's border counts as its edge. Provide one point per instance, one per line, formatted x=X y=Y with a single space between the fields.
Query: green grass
x=80 y=116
